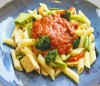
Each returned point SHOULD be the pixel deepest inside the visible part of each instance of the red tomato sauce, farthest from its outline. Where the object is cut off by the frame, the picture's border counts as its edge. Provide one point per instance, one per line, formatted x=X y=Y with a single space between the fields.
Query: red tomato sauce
x=60 y=31
x=76 y=58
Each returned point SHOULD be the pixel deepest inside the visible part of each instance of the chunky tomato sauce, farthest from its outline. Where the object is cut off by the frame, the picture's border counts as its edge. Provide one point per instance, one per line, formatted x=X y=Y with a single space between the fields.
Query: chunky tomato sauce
x=60 y=31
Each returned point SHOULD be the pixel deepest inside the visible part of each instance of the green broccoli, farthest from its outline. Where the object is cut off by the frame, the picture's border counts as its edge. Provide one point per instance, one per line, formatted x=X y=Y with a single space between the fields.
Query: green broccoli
x=53 y=59
x=67 y=15
x=76 y=42
x=43 y=43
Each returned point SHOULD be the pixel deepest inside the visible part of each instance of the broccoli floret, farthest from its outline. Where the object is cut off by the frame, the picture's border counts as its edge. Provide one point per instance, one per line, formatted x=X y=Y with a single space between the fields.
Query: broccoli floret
x=43 y=43
x=53 y=59
x=76 y=42
x=67 y=15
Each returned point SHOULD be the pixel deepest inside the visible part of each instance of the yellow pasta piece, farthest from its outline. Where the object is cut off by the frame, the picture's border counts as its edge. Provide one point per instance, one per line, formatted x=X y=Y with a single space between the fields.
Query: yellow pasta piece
x=80 y=32
x=92 y=53
x=16 y=61
x=76 y=51
x=43 y=71
x=29 y=63
x=71 y=74
x=26 y=42
x=72 y=64
x=18 y=36
x=14 y=31
x=88 y=22
x=26 y=35
x=80 y=66
x=49 y=69
x=10 y=42
x=87 y=59
x=91 y=38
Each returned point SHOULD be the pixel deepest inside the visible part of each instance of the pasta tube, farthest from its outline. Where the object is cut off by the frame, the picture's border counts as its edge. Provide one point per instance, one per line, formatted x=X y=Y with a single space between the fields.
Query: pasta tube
x=88 y=22
x=43 y=71
x=49 y=69
x=26 y=35
x=16 y=61
x=72 y=64
x=76 y=51
x=92 y=53
x=80 y=66
x=71 y=74
x=26 y=42
x=10 y=42
x=87 y=59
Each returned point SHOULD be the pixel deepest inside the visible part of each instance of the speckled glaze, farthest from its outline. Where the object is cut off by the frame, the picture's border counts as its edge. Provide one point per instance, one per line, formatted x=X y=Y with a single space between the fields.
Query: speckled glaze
x=7 y=73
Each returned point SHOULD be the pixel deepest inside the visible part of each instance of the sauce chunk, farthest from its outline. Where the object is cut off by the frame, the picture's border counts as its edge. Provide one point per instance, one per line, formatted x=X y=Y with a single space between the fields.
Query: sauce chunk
x=60 y=31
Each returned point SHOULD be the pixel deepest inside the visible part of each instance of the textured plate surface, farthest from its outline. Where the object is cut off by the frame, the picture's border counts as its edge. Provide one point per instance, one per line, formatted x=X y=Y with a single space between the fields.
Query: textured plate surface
x=7 y=76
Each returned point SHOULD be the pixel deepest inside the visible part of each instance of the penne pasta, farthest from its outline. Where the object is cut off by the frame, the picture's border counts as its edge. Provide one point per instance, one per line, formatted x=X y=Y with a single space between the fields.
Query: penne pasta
x=10 y=42
x=88 y=22
x=18 y=36
x=76 y=51
x=26 y=42
x=29 y=63
x=49 y=69
x=43 y=71
x=81 y=41
x=87 y=59
x=28 y=51
x=80 y=32
x=91 y=38
x=71 y=74
x=92 y=53
x=14 y=31
x=88 y=32
x=44 y=42
x=16 y=61
x=80 y=66
x=26 y=35
x=72 y=64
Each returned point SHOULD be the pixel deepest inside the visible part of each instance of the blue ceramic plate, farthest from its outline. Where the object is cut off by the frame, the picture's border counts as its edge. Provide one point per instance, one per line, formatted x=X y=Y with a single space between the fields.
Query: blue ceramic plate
x=11 y=77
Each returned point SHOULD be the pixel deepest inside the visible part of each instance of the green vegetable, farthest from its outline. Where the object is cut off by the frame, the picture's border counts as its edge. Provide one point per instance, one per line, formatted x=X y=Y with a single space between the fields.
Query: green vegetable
x=43 y=43
x=97 y=52
x=53 y=59
x=23 y=18
x=53 y=8
x=46 y=12
x=19 y=54
x=29 y=29
x=76 y=42
x=86 y=43
x=68 y=15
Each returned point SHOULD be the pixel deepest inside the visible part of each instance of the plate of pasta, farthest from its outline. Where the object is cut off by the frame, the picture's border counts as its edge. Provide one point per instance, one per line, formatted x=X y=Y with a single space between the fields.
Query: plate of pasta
x=55 y=43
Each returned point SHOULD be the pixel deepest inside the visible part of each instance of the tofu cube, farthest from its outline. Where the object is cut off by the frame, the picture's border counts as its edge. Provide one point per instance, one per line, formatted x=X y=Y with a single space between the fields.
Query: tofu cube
x=29 y=63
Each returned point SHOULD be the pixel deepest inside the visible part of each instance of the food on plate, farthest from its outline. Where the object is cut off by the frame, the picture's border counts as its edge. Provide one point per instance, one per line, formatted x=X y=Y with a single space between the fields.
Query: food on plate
x=52 y=40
